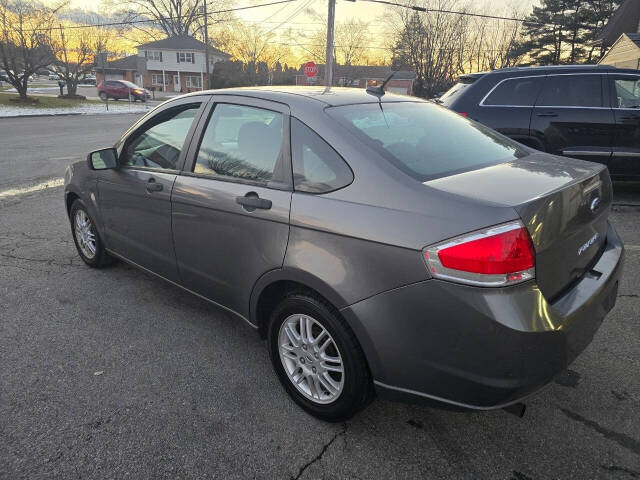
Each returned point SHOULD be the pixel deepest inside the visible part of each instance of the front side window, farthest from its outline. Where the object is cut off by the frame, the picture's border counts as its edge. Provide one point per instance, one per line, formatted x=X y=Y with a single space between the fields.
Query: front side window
x=317 y=168
x=159 y=144
x=627 y=90
x=515 y=92
x=571 y=91
x=240 y=143
x=424 y=140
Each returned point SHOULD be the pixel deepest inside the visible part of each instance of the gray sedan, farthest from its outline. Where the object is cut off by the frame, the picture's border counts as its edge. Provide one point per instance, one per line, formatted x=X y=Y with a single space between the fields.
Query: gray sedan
x=380 y=243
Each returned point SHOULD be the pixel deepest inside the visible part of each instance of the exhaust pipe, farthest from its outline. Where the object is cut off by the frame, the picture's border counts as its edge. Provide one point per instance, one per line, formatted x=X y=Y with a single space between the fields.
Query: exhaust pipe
x=516 y=409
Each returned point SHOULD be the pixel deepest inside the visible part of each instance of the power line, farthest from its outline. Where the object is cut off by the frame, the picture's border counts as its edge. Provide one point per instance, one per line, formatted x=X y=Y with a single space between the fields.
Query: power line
x=178 y=17
x=478 y=15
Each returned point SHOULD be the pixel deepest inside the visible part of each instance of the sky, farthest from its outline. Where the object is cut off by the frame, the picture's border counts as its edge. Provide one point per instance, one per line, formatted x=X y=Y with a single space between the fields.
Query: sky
x=344 y=10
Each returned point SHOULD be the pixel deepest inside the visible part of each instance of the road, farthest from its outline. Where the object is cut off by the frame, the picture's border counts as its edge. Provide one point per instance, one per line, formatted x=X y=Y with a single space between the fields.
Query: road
x=114 y=374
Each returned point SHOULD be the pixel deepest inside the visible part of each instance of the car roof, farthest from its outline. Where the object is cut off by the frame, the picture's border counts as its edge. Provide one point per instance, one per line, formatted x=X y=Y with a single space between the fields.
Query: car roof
x=546 y=69
x=319 y=96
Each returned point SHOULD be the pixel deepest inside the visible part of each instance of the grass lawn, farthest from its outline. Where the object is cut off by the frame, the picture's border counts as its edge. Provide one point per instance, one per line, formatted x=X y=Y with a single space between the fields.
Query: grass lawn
x=45 y=102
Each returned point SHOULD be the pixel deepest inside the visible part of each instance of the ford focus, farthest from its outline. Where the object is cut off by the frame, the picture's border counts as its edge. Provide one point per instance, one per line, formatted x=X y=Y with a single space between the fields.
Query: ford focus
x=379 y=243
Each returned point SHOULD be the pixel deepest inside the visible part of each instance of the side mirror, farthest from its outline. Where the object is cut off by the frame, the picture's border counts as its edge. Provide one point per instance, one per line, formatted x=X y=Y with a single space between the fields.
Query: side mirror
x=104 y=159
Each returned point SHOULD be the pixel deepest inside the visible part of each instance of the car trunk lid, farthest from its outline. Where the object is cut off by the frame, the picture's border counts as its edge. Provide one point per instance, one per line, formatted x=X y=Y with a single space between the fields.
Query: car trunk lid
x=563 y=203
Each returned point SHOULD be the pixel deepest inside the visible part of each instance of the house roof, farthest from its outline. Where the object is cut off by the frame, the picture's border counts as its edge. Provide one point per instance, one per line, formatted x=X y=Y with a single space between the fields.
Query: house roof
x=182 y=42
x=626 y=19
x=363 y=71
x=634 y=37
x=125 y=63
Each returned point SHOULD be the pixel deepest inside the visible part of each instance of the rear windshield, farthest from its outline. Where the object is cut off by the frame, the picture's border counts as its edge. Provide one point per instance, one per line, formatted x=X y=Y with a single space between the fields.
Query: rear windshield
x=456 y=91
x=424 y=140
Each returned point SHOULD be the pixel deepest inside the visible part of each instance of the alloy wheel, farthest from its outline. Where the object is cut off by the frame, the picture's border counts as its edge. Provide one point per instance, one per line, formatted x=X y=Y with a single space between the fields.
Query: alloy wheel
x=311 y=358
x=85 y=234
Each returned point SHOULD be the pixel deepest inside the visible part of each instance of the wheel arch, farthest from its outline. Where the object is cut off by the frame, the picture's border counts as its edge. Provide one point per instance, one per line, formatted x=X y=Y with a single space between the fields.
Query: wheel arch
x=275 y=284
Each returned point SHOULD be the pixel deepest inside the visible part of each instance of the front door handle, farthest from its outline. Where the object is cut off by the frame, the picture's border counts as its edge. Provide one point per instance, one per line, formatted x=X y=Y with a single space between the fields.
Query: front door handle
x=547 y=114
x=153 y=186
x=251 y=201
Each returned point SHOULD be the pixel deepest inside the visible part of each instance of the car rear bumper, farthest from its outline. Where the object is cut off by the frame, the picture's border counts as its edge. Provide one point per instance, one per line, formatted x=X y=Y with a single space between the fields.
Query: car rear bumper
x=481 y=348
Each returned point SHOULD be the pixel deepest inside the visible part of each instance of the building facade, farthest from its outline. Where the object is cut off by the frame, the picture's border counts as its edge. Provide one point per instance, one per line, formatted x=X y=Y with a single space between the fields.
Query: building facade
x=174 y=64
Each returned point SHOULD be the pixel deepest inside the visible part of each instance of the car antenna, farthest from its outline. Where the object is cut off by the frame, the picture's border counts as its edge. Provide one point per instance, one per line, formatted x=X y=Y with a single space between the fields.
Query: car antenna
x=378 y=90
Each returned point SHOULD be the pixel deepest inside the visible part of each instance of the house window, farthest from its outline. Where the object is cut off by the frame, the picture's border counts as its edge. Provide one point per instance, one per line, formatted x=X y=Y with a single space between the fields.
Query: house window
x=185 y=57
x=194 y=82
x=156 y=79
x=154 y=56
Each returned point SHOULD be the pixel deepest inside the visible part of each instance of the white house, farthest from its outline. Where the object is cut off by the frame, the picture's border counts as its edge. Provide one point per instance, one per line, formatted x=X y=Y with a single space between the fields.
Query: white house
x=180 y=61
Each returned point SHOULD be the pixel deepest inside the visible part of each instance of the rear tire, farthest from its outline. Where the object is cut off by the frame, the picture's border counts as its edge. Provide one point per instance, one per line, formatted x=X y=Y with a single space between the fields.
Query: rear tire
x=103 y=96
x=86 y=237
x=310 y=374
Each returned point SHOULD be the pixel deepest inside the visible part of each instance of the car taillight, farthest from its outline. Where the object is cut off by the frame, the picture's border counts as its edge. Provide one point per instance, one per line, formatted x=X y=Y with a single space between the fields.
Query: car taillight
x=493 y=257
x=464 y=114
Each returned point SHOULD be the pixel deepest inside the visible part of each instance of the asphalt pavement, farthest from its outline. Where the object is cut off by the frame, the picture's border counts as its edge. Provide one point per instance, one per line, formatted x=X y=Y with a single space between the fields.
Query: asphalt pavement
x=115 y=374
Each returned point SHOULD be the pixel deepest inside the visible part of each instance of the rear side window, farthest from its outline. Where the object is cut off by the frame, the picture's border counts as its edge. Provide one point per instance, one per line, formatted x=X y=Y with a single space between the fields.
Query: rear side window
x=424 y=140
x=241 y=143
x=317 y=168
x=627 y=90
x=572 y=91
x=515 y=92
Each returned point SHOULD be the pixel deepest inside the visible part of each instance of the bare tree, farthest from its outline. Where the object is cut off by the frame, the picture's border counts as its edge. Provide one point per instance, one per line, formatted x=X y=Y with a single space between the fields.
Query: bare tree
x=173 y=17
x=352 y=40
x=75 y=51
x=429 y=44
x=25 y=29
x=253 y=46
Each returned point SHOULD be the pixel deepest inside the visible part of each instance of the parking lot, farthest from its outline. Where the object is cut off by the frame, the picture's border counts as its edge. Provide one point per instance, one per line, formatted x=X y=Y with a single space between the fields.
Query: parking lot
x=115 y=374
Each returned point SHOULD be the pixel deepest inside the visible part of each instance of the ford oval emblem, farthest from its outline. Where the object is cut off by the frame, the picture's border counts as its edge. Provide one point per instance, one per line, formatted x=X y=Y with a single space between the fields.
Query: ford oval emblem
x=595 y=204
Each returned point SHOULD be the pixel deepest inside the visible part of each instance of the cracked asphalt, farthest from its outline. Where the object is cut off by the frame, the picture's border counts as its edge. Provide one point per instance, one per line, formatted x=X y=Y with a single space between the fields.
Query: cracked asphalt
x=115 y=374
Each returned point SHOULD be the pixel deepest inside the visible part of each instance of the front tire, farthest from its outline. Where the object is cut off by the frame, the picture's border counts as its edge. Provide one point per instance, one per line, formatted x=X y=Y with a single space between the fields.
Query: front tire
x=317 y=358
x=103 y=96
x=86 y=237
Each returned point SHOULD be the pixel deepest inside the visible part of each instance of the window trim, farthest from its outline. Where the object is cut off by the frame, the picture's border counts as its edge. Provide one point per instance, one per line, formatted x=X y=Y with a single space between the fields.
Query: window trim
x=353 y=175
x=142 y=124
x=545 y=76
x=282 y=178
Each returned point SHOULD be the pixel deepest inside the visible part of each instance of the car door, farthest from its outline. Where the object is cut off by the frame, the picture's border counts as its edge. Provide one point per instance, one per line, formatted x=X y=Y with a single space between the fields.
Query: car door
x=508 y=106
x=231 y=204
x=572 y=117
x=625 y=93
x=135 y=198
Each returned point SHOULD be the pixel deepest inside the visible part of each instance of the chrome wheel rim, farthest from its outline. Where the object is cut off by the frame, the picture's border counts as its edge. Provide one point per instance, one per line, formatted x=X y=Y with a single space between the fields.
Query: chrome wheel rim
x=311 y=358
x=85 y=235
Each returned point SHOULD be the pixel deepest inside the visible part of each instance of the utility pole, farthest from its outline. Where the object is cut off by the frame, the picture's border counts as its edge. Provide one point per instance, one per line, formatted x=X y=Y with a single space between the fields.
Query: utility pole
x=328 y=68
x=206 y=44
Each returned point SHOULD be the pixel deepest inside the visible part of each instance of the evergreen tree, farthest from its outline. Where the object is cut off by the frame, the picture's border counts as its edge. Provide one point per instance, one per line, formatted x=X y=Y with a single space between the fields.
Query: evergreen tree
x=563 y=31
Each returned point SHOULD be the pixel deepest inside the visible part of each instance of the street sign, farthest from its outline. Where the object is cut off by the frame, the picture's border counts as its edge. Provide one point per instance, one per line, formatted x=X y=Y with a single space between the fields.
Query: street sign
x=310 y=69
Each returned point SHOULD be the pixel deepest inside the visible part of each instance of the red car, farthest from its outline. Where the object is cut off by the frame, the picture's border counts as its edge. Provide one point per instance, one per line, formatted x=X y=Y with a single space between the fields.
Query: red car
x=124 y=89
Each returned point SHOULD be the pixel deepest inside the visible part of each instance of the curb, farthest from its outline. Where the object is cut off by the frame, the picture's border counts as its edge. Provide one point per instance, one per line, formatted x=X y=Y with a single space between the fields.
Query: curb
x=43 y=115
x=68 y=114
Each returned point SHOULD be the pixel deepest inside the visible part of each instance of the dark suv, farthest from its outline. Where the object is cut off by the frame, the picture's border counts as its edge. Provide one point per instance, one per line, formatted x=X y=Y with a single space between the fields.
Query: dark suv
x=588 y=112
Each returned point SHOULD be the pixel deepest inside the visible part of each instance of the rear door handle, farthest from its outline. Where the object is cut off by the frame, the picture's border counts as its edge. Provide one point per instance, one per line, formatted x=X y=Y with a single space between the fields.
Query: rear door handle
x=547 y=114
x=251 y=201
x=153 y=186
